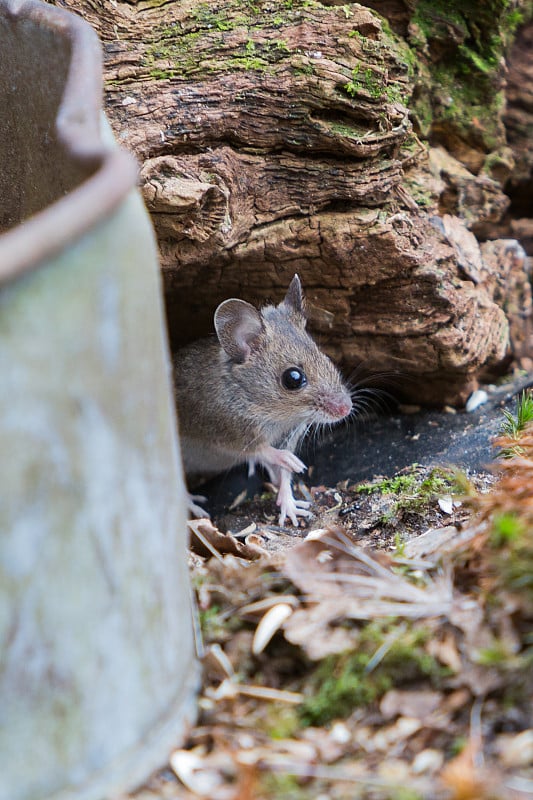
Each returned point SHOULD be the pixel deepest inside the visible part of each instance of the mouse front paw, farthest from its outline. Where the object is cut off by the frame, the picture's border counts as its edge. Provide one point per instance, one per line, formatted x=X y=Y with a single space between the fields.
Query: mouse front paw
x=272 y=457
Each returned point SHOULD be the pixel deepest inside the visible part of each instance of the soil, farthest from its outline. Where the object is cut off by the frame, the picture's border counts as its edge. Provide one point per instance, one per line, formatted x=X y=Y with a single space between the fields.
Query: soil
x=378 y=446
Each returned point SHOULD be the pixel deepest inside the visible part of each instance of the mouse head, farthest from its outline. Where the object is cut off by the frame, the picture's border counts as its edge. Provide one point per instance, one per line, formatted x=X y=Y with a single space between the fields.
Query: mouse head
x=275 y=363
x=241 y=327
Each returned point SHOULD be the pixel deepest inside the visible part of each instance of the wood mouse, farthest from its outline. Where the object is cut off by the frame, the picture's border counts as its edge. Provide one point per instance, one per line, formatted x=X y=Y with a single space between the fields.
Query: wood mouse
x=253 y=392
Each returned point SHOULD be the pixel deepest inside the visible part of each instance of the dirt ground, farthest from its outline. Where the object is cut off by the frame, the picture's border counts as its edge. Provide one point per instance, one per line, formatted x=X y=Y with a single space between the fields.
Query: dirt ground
x=383 y=649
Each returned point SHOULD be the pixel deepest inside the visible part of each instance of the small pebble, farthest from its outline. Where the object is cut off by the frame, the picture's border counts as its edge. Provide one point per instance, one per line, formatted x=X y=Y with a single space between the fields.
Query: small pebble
x=476 y=399
x=340 y=733
x=446 y=504
x=428 y=760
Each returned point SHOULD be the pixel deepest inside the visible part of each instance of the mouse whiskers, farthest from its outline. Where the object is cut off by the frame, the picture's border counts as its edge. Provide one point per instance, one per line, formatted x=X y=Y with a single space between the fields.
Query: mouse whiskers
x=296 y=436
x=371 y=394
x=368 y=402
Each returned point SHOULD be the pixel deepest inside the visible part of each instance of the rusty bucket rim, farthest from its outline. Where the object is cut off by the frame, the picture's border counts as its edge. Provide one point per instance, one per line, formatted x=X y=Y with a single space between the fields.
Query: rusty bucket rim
x=49 y=231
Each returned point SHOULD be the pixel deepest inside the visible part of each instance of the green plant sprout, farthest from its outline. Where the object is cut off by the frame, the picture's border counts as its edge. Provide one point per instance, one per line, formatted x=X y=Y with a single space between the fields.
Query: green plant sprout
x=514 y=424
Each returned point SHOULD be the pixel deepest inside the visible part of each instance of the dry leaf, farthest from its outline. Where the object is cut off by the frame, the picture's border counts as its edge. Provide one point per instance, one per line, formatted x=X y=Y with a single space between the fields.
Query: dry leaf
x=269 y=625
x=392 y=735
x=208 y=541
x=362 y=582
x=196 y=772
x=418 y=703
x=312 y=629
x=434 y=541
x=445 y=650
x=217 y=664
x=467 y=781
x=516 y=750
x=329 y=748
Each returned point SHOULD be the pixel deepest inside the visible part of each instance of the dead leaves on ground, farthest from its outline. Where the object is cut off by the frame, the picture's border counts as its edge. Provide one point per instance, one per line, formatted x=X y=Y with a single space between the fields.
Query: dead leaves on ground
x=421 y=656
x=208 y=541
x=405 y=736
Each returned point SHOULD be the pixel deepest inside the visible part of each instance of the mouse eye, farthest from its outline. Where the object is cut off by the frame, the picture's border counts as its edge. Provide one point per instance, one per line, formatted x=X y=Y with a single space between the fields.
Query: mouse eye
x=293 y=378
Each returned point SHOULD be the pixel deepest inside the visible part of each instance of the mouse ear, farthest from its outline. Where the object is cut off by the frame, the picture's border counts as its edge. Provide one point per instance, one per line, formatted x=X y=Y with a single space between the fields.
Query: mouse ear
x=294 y=301
x=239 y=327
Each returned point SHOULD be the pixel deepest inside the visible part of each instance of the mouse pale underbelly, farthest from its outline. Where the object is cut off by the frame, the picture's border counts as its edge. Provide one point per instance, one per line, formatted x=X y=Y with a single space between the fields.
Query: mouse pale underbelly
x=201 y=459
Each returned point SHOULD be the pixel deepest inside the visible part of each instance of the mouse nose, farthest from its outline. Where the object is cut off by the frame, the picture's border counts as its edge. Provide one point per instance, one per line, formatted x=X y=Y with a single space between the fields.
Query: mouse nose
x=336 y=405
x=341 y=408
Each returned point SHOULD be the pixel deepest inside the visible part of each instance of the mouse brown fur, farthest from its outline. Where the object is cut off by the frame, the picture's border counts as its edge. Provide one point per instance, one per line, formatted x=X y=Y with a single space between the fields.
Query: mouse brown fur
x=250 y=393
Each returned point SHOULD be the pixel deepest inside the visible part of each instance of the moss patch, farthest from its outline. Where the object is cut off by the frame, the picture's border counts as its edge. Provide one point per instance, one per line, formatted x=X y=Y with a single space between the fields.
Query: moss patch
x=412 y=491
x=463 y=44
x=186 y=45
x=358 y=678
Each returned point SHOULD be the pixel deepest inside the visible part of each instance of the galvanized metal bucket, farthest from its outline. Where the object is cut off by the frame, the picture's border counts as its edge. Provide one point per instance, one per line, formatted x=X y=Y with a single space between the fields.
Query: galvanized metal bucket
x=97 y=663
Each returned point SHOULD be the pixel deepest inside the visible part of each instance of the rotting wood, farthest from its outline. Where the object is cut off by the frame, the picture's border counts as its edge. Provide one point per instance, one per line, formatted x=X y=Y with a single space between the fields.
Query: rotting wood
x=275 y=138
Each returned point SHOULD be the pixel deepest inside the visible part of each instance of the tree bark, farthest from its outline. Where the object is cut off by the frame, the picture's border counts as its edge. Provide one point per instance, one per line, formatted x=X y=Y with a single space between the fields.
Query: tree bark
x=276 y=137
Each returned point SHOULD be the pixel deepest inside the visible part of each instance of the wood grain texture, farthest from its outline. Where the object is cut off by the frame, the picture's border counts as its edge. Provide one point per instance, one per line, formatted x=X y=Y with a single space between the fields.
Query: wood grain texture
x=274 y=138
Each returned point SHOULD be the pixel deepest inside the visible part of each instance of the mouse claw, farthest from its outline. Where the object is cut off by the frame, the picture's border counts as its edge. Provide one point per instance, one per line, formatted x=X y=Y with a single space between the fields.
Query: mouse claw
x=292 y=462
x=298 y=508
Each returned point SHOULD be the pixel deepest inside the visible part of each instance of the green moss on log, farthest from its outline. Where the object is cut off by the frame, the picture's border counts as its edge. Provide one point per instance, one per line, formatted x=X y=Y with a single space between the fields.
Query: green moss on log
x=464 y=44
x=186 y=44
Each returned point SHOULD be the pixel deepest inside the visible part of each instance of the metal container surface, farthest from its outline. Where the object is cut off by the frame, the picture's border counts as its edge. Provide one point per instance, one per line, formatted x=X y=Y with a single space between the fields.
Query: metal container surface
x=97 y=662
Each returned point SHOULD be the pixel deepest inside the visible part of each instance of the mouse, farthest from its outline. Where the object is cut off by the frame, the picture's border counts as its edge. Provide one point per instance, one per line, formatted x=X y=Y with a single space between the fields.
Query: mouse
x=251 y=392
